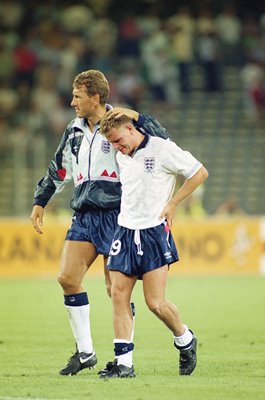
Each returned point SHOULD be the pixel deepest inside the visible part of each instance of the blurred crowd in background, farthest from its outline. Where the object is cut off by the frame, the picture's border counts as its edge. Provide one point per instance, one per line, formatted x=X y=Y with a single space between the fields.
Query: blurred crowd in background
x=147 y=49
x=43 y=45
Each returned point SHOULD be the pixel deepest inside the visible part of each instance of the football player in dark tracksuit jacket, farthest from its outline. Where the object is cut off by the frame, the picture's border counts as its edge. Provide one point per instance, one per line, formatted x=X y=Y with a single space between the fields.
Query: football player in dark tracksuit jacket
x=86 y=157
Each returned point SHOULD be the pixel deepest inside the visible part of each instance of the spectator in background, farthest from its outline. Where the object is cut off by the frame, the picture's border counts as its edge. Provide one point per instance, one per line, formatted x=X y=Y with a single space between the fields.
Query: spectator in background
x=26 y=61
x=208 y=49
x=253 y=78
x=130 y=85
x=76 y=18
x=103 y=36
x=43 y=94
x=209 y=52
x=229 y=207
x=250 y=33
x=9 y=99
x=159 y=65
x=129 y=37
x=229 y=28
x=149 y=20
x=83 y=49
x=182 y=28
x=11 y=14
x=256 y=51
x=7 y=67
x=71 y=52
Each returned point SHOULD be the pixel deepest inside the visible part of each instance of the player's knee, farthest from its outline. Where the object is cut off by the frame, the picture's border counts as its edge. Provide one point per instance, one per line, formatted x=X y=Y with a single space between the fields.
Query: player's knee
x=67 y=284
x=117 y=294
x=154 y=306
x=114 y=292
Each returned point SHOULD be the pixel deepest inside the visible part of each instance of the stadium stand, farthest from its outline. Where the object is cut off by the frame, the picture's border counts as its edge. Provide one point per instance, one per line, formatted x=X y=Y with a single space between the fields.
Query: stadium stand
x=41 y=55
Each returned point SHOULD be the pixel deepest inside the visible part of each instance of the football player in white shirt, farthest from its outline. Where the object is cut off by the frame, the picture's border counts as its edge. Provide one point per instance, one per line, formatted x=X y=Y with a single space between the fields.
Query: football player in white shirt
x=143 y=247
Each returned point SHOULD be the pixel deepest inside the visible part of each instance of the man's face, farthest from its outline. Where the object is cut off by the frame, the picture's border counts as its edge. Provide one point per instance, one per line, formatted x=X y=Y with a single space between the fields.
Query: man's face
x=84 y=105
x=122 y=139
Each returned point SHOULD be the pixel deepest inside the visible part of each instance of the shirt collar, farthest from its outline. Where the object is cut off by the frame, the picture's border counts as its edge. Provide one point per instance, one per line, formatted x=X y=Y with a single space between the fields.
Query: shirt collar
x=144 y=142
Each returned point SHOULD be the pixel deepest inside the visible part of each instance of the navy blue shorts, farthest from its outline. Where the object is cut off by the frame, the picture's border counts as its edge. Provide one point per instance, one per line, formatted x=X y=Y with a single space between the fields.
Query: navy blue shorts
x=136 y=252
x=95 y=226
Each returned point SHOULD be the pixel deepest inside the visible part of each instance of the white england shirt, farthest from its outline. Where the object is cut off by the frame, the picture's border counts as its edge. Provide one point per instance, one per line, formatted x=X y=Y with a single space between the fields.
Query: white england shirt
x=148 y=180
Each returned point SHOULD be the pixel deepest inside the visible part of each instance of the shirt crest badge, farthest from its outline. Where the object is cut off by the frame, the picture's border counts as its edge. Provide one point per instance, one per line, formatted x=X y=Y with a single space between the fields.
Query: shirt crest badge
x=105 y=146
x=149 y=164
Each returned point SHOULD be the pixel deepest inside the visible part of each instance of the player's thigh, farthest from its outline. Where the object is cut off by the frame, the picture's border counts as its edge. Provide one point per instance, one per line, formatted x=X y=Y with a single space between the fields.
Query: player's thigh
x=76 y=258
x=154 y=284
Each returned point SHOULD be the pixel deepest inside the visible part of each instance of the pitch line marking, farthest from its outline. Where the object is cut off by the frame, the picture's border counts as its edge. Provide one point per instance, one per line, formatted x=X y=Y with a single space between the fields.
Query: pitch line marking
x=26 y=398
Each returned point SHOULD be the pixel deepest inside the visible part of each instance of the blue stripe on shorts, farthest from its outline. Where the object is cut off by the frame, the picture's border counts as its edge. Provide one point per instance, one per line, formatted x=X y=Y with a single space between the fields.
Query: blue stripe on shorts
x=138 y=252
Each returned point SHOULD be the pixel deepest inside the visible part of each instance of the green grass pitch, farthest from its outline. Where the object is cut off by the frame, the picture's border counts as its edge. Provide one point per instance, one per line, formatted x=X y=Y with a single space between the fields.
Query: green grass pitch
x=227 y=314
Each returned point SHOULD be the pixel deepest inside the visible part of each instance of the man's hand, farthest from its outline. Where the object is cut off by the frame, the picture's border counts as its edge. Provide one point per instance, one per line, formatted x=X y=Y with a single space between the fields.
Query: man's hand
x=168 y=213
x=37 y=218
x=119 y=112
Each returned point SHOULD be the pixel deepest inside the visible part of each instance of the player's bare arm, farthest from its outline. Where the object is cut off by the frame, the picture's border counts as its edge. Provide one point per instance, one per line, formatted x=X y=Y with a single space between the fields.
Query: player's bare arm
x=185 y=190
x=37 y=218
x=119 y=112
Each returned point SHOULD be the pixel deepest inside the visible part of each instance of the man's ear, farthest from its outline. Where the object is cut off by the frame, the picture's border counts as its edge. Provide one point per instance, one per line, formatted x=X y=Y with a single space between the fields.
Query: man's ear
x=96 y=98
x=130 y=128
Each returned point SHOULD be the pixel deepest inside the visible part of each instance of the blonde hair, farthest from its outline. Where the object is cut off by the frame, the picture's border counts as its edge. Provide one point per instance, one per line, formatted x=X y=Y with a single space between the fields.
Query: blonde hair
x=95 y=83
x=110 y=121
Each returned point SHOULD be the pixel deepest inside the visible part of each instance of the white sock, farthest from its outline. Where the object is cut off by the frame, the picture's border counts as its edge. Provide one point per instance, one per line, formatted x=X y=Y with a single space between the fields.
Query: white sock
x=80 y=321
x=185 y=339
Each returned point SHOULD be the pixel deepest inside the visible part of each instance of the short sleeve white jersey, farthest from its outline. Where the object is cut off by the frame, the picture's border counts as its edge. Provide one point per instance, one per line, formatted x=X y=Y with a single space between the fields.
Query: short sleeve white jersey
x=148 y=180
